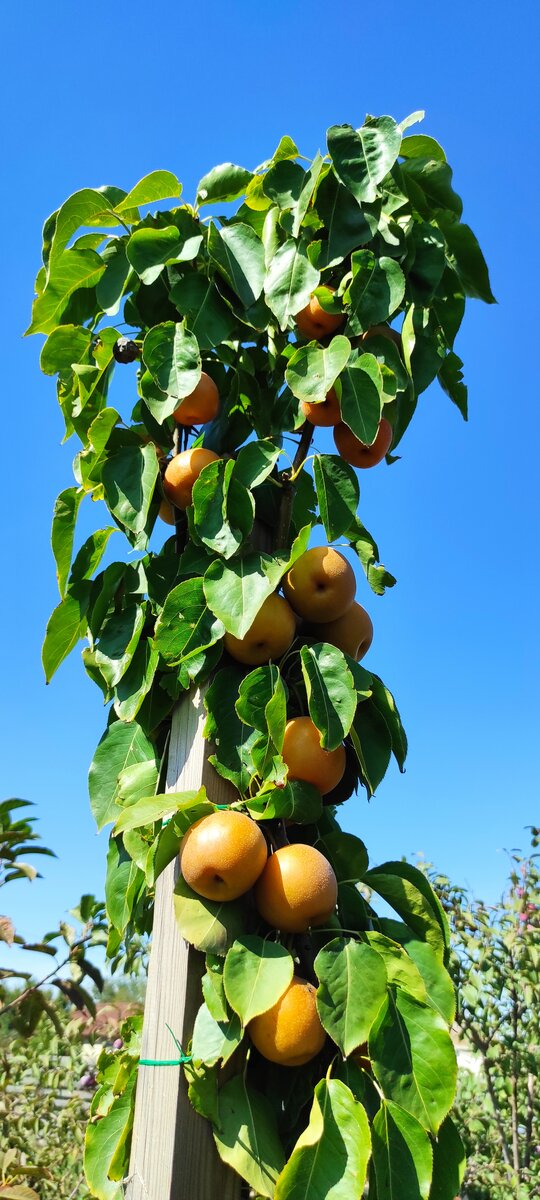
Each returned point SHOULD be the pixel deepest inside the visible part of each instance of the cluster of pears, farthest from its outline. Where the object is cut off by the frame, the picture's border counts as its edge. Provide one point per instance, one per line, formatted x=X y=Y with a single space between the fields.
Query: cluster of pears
x=222 y=857
x=203 y=404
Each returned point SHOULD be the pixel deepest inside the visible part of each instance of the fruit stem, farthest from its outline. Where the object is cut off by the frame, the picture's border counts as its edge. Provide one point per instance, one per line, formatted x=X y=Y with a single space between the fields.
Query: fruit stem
x=288 y=480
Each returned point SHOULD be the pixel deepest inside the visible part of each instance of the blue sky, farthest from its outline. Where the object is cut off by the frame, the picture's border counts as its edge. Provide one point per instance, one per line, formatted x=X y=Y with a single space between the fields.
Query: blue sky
x=105 y=95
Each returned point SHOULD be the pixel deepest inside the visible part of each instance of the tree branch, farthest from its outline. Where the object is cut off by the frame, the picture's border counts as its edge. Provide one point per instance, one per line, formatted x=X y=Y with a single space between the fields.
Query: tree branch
x=287 y=482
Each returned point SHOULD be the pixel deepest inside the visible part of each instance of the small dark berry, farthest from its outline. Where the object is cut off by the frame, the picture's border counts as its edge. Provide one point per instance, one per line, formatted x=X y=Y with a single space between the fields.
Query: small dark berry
x=125 y=351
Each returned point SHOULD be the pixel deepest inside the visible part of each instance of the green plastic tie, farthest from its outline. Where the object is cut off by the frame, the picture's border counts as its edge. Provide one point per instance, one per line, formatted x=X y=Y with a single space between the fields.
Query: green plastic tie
x=167 y=1062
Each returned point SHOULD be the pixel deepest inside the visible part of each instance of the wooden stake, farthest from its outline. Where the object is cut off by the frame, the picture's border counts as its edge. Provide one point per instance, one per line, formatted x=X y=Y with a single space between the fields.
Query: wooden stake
x=173 y=1153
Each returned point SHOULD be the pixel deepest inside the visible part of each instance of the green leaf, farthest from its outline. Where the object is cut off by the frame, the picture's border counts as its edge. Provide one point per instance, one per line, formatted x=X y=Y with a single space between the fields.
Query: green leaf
x=257 y=691
x=438 y=983
x=368 y=552
x=171 y=354
x=208 y=925
x=111 y=286
x=186 y=807
x=361 y=158
x=158 y=185
x=338 y=494
x=451 y=380
x=74 y=269
x=186 y=626
x=149 y=249
x=361 y=397
x=408 y=891
x=376 y=291
x=223 y=183
x=449 y=1163
x=208 y=317
x=256 y=973
x=104 y=1139
x=465 y=256
x=90 y=554
x=66 y=508
x=122 y=885
x=118 y=640
x=419 y=145
x=121 y=746
x=347 y=226
x=64 y=346
x=239 y=257
x=429 y=185
x=400 y=969
x=413 y=1059
x=290 y=280
x=129 y=477
x=312 y=370
x=255 y=462
x=383 y=700
x=66 y=625
x=296 y=801
x=330 y=692
x=372 y=744
x=213 y=989
x=137 y=780
x=247 y=1137
x=233 y=740
x=215 y=1041
x=223 y=509
x=348 y=855
x=236 y=590
x=352 y=988
x=329 y=1160
x=402 y=1154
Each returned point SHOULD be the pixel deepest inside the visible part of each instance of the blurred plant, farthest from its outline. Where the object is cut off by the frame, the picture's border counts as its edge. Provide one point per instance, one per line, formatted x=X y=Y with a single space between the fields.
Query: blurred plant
x=495 y=965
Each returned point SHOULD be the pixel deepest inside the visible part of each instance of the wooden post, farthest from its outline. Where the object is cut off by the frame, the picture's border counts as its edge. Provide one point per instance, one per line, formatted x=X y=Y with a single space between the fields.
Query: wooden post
x=173 y=1153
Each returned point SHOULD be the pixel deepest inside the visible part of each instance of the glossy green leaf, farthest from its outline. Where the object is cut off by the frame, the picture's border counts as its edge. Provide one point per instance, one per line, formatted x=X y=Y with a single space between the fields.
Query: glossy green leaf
x=215 y=1041
x=257 y=690
x=117 y=643
x=361 y=397
x=440 y=991
x=236 y=590
x=408 y=891
x=400 y=968
x=158 y=185
x=186 y=625
x=172 y=356
x=376 y=291
x=89 y=556
x=129 y=477
x=66 y=345
x=122 y=885
x=209 y=925
x=104 y=1138
x=232 y=739
x=256 y=973
x=239 y=257
x=338 y=494
x=149 y=249
x=368 y=552
x=451 y=380
x=255 y=462
x=449 y=1163
x=296 y=801
x=384 y=701
x=122 y=746
x=207 y=316
x=213 y=989
x=402 y=1154
x=419 y=145
x=223 y=183
x=85 y=207
x=347 y=226
x=372 y=744
x=73 y=270
x=312 y=370
x=413 y=1059
x=361 y=158
x=290 y=280
x=247 y=1136
x=352 y=988
x=223 y=509
x=66 y=508
x=347 y=853
x=66 y=625
x=330 y=692
x=329 y=1160
x=112 y=284
x=465 y=256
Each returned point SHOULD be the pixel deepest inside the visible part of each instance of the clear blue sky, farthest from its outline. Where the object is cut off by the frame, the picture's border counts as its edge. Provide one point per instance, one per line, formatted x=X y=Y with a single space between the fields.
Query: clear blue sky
x=106 y=94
